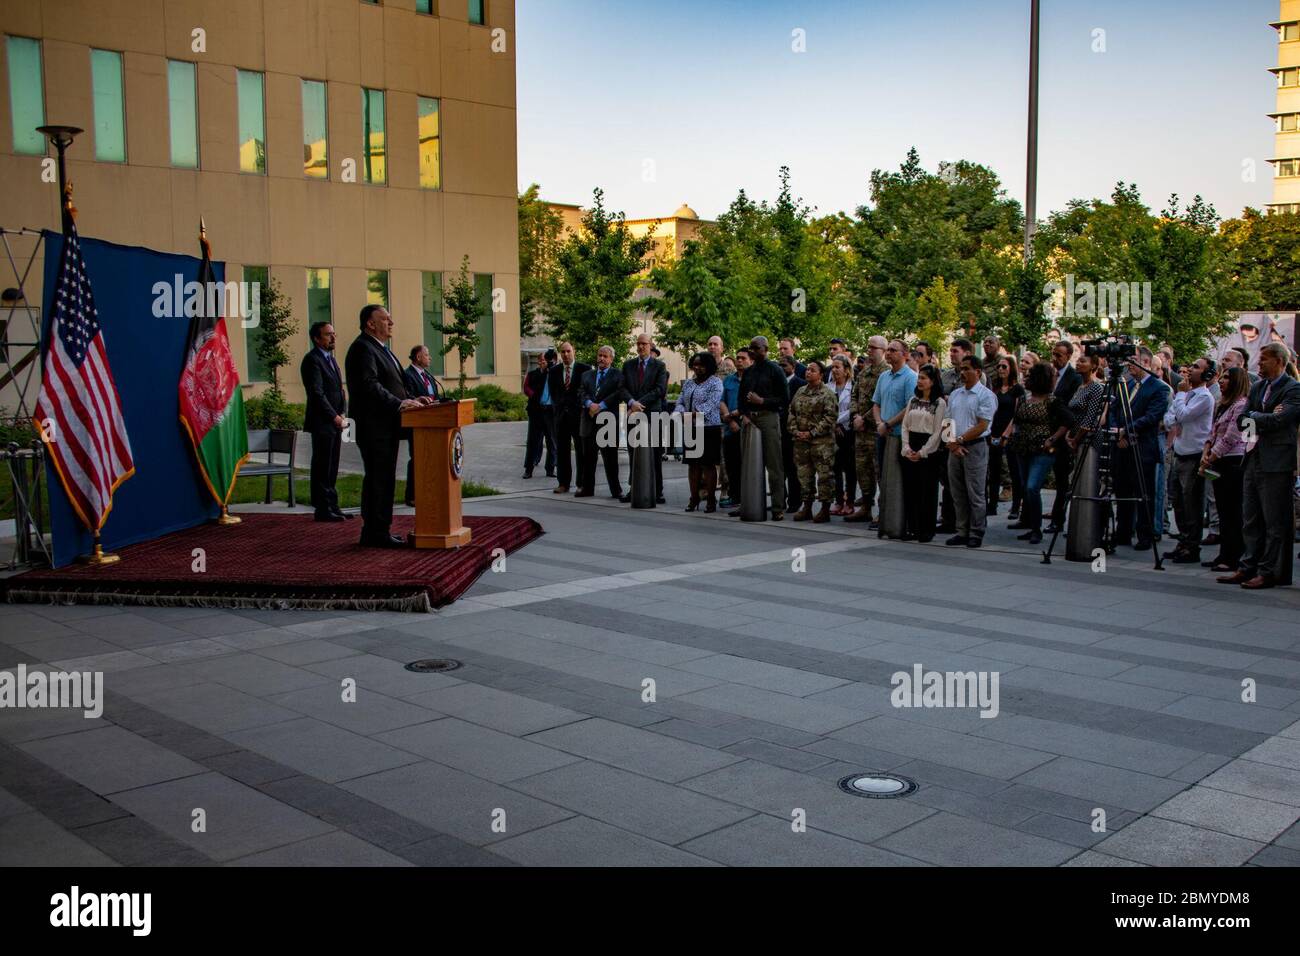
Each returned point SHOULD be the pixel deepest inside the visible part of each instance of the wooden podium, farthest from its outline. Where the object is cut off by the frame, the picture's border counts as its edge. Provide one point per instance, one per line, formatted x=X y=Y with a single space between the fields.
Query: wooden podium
x=439 y=455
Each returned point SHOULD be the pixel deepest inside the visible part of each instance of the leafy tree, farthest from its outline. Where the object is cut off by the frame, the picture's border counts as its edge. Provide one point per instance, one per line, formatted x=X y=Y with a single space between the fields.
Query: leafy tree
x=275 y=326
x=1025 y=322
x=692 y=301
x=540 y=227
x=461 y=333
x=590 y=302
x=935 y=315
x=1266 y=259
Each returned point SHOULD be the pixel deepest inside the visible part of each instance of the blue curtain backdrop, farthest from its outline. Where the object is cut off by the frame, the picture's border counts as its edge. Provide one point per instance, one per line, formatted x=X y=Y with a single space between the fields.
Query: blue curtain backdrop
x=145 y=353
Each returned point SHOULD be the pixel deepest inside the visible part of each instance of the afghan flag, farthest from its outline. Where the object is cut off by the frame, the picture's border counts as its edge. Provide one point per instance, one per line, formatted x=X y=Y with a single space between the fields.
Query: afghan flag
x=212 y=407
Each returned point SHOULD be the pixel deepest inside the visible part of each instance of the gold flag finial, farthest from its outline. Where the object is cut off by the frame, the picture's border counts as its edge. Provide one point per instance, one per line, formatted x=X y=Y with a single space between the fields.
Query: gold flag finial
x=67 y=200
x=203 y=228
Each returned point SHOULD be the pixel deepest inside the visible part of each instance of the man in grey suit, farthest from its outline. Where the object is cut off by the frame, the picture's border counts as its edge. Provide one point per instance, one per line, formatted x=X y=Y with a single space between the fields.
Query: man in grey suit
x=602 y=391
x=1272 y=417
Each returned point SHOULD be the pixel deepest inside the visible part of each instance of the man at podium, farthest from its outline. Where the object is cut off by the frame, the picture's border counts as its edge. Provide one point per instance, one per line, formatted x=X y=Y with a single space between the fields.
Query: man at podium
x=379 y=396
x=419 y=383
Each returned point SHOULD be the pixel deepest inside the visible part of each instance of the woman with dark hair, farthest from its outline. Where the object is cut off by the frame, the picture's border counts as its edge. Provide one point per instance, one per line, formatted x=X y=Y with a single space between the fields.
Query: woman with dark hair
x=922 y=429
x=811 y=422
x=700 y=407
x=1006 y=386
x=846 y=470
x=1041 y=420
x=1221 y=462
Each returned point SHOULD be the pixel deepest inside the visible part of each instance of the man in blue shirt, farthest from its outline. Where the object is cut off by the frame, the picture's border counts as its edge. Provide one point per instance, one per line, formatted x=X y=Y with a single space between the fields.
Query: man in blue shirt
x=541 y=416
x=970 y=411
x=894 y=389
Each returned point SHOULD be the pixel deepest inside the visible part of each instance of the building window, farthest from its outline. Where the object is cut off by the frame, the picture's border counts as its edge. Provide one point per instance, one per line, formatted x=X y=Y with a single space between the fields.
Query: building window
x=26 y=95
x=478 y=11
x=252 y=123
x=1288 y=31
x=431 y=310
x=315 y=131
x=373 y=142
x=377 y=287
x=424 y=6
x=1284 y=208
x=257 y=370
x=485 y=361
x=319 y=306
x=1289 y=77
x=183 y=110
x=1287 y=122
x=110 y=106
x=1288 y=167
x=430 y=145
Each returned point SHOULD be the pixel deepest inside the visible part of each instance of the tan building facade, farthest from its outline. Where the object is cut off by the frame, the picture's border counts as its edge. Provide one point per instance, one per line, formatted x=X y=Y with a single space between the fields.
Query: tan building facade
x=1286 y=150
x=352 y=151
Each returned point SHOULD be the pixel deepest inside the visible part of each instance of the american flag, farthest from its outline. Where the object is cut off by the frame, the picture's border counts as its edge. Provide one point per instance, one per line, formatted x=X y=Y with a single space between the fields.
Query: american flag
x=78 y=413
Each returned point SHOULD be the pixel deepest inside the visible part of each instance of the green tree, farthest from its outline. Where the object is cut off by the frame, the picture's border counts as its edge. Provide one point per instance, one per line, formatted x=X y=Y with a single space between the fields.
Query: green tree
x=1026 y=320
x=275 y=325
x=935 y=315
x=691 y=301
x=461 y=333
x=540 y=227
x=597 y=268
x=1266 y=260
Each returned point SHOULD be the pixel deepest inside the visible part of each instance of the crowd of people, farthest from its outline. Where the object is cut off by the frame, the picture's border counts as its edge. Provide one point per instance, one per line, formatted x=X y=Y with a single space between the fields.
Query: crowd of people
x=918 y=448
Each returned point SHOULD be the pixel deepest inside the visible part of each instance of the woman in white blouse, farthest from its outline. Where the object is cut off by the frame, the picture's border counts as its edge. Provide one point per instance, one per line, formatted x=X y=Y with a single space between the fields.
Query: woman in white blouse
x=922 y=429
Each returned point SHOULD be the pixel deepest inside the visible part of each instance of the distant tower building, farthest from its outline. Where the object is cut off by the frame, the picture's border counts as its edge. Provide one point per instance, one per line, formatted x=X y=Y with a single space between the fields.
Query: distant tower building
x=1286 y=151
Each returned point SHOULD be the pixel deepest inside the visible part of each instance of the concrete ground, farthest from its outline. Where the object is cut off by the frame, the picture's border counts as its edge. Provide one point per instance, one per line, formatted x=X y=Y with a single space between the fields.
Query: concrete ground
x=657 y=688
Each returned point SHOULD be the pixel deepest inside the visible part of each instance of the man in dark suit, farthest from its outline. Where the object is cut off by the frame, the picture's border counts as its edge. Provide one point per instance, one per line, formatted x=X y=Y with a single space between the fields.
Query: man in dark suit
x=1271 y=419
x=1067 y=383
x=795 y=381
x=645 y=383
x=324 y=420
x=602 y=391
x=419 y=383
x=565 y=387
x=378 y=399
x=1147 y=400
x=541 y=416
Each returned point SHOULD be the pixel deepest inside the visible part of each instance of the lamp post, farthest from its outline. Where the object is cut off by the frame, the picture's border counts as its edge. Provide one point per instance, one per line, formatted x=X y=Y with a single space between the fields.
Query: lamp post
x=61 y=137
x=1031 y=159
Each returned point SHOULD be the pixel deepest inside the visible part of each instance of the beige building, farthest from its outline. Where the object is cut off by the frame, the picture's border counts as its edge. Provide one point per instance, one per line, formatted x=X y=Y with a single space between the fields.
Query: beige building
x=670 y=234
x=1286 y=150
x=353 y=151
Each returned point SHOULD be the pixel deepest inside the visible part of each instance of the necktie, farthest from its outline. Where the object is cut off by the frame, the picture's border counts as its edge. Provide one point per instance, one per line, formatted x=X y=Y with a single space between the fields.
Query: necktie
x=600 y=377
x=428 y=387
x=333 y=364
x=1263 y=402
x=566 y=376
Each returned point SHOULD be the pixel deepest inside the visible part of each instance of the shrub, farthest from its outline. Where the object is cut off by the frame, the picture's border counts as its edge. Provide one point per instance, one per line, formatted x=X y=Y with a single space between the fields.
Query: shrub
x=270 y=410
x=495 y=404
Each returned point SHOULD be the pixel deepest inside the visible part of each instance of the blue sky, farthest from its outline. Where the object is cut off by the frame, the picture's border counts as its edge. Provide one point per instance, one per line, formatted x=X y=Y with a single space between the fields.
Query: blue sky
x=714 y=96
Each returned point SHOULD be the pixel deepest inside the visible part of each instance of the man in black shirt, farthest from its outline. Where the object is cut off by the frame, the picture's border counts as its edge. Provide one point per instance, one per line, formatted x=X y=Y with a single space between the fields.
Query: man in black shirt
x=764 y=394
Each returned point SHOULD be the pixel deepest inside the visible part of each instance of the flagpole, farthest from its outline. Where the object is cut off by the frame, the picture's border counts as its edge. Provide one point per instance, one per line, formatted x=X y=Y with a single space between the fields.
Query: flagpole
x=225 y=518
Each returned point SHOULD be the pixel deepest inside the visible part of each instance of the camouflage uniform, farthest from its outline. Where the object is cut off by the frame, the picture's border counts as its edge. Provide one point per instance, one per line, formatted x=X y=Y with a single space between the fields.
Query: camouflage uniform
x=815 y=412
x=864 y=446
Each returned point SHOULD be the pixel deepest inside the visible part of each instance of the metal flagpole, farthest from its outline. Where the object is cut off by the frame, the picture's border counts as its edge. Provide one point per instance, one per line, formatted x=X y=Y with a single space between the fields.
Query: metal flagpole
x=1031 y=159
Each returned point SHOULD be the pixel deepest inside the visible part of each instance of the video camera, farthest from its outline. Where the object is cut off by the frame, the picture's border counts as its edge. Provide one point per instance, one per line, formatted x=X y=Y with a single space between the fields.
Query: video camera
x=1112 y=348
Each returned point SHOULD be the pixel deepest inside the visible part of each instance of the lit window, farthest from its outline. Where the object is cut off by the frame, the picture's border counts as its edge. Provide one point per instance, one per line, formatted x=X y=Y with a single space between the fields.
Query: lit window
x=374 y=145
x=315 y=131
x=110 y=106
x=377 y=287
x=430 y=145
x=1288 y=31
x=485 y=362
x=26 y=95
x=424 y=6
x=1289 y=77
x=1286 y=123
x=252 y=123
x=1288 y=167
x=478 y=11
x=182 y=108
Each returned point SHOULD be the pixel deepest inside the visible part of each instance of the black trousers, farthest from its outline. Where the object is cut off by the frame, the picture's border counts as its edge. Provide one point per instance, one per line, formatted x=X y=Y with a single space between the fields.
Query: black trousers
x=1227 y=498
x=997 y=453
x=541 y=430
x=379 y=457
x=731 y=455
x=793 y=491
x=846 y=467
x=1061 y=475
x=920 y=493
x=566 y=437
x=410 y=470
x=1131 y=513
x=587 y=479
x=325 y=447
x=1268 y=521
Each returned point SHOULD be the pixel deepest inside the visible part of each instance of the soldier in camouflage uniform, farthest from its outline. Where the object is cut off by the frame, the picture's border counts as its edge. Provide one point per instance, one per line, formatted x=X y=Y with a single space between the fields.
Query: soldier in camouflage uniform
x=864 y=448
x=811 y=422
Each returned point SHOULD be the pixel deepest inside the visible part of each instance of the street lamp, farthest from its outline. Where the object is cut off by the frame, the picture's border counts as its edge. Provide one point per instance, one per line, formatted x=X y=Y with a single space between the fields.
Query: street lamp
x=61 y=137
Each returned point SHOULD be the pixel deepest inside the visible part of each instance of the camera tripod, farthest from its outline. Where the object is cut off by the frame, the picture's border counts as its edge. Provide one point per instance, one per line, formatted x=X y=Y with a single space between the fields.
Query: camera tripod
x=1106 y=441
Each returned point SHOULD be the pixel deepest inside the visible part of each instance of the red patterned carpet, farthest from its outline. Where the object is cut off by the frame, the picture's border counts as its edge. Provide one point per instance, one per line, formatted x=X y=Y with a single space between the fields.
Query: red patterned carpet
x=280 y=561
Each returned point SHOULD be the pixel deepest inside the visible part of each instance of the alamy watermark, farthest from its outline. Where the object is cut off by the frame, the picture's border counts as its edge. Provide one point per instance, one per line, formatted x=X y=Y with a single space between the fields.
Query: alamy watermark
x=650 y=429
x=21 y=688
x=231 y=300
x=922 y=688
x=1114 y=300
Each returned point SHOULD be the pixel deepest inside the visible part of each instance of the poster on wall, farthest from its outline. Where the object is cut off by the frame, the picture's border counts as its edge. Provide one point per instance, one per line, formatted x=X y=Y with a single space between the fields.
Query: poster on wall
x=1253 y=330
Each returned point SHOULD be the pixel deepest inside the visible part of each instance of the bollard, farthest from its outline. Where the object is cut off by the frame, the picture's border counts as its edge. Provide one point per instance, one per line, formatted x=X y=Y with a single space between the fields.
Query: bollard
x=1087 y=516
x=643 y=476
x=753 y=476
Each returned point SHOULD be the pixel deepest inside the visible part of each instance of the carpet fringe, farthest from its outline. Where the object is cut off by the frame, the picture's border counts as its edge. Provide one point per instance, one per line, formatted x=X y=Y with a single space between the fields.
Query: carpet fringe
x=414 y=603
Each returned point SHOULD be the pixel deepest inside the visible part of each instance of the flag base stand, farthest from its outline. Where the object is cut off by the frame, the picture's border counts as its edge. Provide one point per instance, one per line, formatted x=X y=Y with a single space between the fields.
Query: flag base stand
x=227 y=517
x=98 y=557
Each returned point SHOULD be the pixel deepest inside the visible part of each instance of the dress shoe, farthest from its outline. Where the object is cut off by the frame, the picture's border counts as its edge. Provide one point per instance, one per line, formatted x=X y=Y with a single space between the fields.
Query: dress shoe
x=873 y=524
x=947 y=529
x=584 y=494
x=329 y=516
x=733 y=513
x=1017 y=526
x=1211 y=538
x=693 y=504
x=626 y=498
x=1143 y=545
x=1174 y=553
x=409 y=502
x=617 y=494
x=343 y=514
x=659 y=500
x=862 y=514
x=1013 y=514
x=957 y=540
x=804 y=513
x=1035 y=537
x=711 y=505
x=779 y=515
x=1259 y=582
x=1237 y=577
x=528 y=474
x=550 y=474
x=1052 y=528
x=1187 y=557
x=823 y=514
x=383 y=541
x=560 y=490
x=975 y=542
x=1219 y=567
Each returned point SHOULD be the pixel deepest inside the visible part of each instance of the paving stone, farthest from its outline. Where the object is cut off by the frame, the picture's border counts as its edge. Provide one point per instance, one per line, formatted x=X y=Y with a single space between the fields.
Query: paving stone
x=631 y=748
x=1105 y=786
x=1116 y=750
x=367 y=713
x=1278 y=751
x=484 y=753
x=738 y=670
x=31 y=839
x=1168 y=843
x=132 y=842
x=950 y=840
x=775 y=754
x=1230 y=813
x=1092 y=858
x=511 y=713
x=1276 y=856
x=314 y=747
x=445 y=850
x=110 y=759
x=330 y=849
x=764 y=840
x=306 y=652
x=215 y=707
x=383 y=676
x=1259 y=780
x=935 y=745
x=798 y=713
x=581 y=841
x=255 y=675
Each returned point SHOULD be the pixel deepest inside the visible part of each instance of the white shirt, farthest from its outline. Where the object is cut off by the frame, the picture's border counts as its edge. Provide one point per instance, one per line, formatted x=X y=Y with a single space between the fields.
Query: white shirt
x=1192 y=413
x=966 y=405
x=844 y=395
